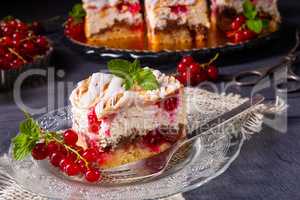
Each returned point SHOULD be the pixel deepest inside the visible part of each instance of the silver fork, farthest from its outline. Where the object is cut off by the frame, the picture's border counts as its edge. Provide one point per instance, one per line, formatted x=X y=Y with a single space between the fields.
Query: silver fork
x=156 y=165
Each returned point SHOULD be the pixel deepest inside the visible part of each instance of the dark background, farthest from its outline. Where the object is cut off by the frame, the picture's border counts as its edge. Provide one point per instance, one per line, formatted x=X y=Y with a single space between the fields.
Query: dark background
x=268 y=166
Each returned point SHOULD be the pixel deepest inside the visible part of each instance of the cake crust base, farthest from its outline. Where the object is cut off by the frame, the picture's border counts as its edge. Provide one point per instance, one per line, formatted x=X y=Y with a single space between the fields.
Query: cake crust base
x=119 y=36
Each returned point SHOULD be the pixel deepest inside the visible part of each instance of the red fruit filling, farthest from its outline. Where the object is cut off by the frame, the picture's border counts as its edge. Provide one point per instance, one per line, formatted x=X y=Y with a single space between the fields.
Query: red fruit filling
x=93 y=122
x=178 y=9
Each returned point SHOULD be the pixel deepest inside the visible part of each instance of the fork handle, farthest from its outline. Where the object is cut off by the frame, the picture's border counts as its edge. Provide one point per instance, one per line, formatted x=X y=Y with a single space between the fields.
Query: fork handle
x=224 y=118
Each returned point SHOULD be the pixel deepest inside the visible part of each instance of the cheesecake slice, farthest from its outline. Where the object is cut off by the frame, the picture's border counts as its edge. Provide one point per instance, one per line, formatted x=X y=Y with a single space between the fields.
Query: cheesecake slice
x=176 y=24
x=128 y=125
x=224 y=11
x=114 y=23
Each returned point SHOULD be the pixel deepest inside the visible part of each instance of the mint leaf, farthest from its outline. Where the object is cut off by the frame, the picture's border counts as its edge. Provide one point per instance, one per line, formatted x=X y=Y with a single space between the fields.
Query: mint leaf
x=28 y=136
x=255 y=25
x=77 y=13
x=135 y=66
x=29 y=127
x=147 y=80
x=120 y=68
x=249 y=9
x=133 y=73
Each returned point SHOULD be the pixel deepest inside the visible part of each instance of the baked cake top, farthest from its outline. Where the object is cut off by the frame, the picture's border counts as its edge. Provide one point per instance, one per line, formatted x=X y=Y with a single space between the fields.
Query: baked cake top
x=107 y=93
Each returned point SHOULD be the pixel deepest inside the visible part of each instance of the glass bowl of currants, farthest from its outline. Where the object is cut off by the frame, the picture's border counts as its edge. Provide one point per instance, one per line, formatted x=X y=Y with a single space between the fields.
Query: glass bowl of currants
x=21 y=48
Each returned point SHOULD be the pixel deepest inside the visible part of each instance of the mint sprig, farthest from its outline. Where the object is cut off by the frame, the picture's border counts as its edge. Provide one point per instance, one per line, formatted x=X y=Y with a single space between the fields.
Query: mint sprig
x=133 y=74
x=253 y=22
x=77 y=13
x=24 y=142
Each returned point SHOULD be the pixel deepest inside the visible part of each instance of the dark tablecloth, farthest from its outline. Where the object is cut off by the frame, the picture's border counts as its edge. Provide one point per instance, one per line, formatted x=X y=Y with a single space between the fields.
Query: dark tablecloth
x=269 y=164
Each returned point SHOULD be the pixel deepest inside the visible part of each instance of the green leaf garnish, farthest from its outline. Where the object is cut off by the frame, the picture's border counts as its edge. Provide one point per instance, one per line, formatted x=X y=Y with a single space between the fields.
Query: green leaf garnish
x=133 y=74
x=249 y=9
x=78 y=13
x=255 y=25
x=29 y=135
x=253 y=22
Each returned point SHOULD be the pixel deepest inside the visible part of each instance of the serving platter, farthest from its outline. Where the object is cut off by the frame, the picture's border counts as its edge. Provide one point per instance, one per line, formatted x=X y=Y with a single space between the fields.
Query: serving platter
x=216 y=44
x=192 y=167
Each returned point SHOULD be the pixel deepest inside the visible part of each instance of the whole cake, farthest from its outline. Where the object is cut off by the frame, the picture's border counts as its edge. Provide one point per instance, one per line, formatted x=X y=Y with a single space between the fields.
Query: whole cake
x=111 y=22
x=176 y=23
x=128 y=123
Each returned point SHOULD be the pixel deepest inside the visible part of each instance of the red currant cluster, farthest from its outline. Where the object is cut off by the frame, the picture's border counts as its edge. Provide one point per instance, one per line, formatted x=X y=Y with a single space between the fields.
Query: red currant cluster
x=239 y=31
x=75 y=29
x=193 y=73
x=19 y=43
x=69 y=158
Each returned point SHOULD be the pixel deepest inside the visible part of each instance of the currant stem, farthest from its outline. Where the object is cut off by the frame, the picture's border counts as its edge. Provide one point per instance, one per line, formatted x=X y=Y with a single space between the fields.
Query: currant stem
x=18 y=55
x=70 y=149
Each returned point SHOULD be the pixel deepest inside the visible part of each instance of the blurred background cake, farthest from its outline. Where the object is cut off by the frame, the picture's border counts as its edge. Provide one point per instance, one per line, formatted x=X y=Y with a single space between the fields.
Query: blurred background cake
x=176 y=24
x=113 y=23
x=224 y=11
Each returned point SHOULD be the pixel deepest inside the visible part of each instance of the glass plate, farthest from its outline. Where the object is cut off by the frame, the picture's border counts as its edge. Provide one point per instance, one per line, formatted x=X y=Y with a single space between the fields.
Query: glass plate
x=207 y=158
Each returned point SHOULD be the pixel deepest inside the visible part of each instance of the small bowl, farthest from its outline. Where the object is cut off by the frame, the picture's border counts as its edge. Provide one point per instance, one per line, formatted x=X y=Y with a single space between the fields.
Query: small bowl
x=8 y=77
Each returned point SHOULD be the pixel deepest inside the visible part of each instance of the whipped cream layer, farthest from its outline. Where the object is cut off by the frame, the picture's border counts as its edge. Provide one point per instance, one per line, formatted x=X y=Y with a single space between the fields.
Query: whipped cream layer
x=159 y=13
x=103 y=14
x=105 y=92
x=128 y=123
x=266 y=6
x=124 y=113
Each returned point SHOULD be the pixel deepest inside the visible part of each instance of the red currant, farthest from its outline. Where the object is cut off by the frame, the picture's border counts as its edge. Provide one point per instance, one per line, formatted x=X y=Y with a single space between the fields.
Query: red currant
x=39 y=152
x=52 y=147
x=187 y=60
x=70 y=137
x=42 y=42
x=22 y=27
x=82 y=166
x=194 y=68
x=184 y=78
x=3 y=51
x=241 y=19
x=63 y=163
x=238 y=37
x=92 y=175
x=181 y=68
x=13 y=23
x=200 y=77
x=29 y=48
x=9 y=57
x=7 y=41
x=55 y=158
x=72 y=169
x=90 y=155
x=212 y=72
x=171 y=104
x=16 y=63
x=7 y=31
x=247 y=34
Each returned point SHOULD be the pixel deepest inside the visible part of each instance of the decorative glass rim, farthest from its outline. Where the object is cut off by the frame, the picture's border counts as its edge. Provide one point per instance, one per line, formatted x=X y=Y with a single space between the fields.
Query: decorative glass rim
x=212 y=154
